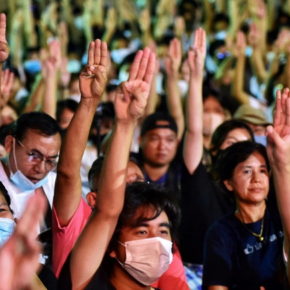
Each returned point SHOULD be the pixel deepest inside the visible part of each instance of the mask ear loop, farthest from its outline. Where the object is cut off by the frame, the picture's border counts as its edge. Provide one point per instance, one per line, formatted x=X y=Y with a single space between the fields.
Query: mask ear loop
x=14 y=157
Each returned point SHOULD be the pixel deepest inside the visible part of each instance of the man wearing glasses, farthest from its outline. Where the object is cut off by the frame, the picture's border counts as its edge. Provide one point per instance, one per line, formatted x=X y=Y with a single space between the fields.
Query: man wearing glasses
x=33 y=149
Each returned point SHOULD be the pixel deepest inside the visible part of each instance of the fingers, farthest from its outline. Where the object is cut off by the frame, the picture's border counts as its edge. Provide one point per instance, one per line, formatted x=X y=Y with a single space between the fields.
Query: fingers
x=143 y=64
x=3 y=27
x=91 y=53
x=150 y=68
x=97 y=56
x=104 y=54
x=278 y=110
x=287 y=105
x=135 y=65
x=97 y=53
x=32 y=216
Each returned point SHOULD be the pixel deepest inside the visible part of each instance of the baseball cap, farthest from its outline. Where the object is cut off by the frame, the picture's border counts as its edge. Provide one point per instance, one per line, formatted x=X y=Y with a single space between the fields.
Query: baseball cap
x=158 y=120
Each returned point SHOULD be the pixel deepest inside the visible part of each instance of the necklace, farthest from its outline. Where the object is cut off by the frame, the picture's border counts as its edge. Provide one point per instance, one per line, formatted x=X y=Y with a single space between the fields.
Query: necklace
x=257 y=235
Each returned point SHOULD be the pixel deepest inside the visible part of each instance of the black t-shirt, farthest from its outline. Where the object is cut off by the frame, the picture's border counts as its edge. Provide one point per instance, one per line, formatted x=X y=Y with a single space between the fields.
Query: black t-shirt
x=235 y=258
x=203 y=202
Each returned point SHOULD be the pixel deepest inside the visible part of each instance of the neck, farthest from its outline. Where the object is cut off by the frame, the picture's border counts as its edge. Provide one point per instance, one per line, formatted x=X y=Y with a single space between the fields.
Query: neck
x=155 y=173
x=250 y=213
x=121 y=280
x=206 y=141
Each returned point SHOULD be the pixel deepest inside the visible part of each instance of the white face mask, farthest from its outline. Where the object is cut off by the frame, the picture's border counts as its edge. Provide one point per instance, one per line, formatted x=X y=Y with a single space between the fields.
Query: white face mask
x=147 y=259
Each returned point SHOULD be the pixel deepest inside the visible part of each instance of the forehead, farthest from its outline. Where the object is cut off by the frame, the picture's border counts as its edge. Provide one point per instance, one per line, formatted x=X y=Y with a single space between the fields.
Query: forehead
x=160 y=132
x=147 y=215
x=2 y=199
x=254 y=160
x=239 y=134
x=33 y=139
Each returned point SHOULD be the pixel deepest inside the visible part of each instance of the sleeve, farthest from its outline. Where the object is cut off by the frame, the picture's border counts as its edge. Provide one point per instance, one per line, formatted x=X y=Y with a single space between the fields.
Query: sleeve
x=217 y=257
x=64 y=237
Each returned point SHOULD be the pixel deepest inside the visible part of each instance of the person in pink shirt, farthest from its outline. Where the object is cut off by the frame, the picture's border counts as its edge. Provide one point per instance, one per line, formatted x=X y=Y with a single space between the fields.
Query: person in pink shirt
x=70 y=211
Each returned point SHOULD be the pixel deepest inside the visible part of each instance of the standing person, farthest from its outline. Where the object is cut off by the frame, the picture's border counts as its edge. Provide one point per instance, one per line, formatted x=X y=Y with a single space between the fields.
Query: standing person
x=244 y=249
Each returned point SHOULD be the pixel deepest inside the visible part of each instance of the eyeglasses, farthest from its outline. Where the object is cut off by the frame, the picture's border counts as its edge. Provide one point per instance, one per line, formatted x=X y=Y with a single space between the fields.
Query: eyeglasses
x=35 y=157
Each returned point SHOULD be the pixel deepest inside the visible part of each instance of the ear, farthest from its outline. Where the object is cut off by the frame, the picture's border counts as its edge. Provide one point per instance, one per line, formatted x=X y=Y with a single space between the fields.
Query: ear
x=8 y=143
x=113 y=254
x=228 y=185
x=92 y=199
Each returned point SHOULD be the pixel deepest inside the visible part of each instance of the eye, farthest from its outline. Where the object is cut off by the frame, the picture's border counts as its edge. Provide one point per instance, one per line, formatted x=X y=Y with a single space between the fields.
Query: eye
x=34 y=156
x=141 y=233
x=247 y=171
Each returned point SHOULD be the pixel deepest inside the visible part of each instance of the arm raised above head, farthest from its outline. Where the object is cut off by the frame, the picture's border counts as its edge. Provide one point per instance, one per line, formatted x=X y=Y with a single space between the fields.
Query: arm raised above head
x=130 y=102
x=193 y=144
x=92 y=84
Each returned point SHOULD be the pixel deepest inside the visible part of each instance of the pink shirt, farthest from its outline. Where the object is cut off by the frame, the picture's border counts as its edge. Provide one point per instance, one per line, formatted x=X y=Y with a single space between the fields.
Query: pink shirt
x=64 y=238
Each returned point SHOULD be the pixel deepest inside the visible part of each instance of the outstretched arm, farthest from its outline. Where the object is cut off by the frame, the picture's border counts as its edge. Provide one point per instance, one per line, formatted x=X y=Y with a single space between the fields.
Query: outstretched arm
x=278 y=150
x=173 y=97
x=130 y=103
x=92 y=84
x=193 y=143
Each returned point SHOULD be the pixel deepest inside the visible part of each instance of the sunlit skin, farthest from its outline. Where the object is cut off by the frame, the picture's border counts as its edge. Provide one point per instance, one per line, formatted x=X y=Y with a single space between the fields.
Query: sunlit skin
x=234 y=136
x=48 y=146
x=250 y=180
x=159 y=146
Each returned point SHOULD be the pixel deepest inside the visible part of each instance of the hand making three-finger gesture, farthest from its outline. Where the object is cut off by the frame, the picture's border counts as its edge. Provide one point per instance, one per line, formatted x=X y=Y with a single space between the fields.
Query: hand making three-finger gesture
x=131 y=97
x=93 y=78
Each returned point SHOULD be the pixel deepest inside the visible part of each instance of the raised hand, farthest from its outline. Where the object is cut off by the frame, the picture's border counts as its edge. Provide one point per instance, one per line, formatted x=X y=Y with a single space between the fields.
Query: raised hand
x=6 y=86
x=196 y=54
x=4 y=49
x=131 y=97
x=93 y=78
x=20 y=254
x=278 y=147
x=240 y=45
x=173 y=60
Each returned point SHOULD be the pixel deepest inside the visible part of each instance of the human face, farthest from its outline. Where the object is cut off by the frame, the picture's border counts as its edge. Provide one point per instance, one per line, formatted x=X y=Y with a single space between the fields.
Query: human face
x=20 y=154
x=234 y=136
x=134 y=173
x=258 y=130
x=158 y=227
x=159 y=146
x=250 y=180
x=5 y=211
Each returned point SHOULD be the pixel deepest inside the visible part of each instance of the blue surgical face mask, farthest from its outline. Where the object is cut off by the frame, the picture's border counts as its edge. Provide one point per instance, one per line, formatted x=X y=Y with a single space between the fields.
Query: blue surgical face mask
x=21 y=181
x=261 y=139
x=7 y=226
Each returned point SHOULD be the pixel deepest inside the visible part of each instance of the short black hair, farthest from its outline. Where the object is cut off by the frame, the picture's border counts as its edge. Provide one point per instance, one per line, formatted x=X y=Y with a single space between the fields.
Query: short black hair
x=229 y=158
x=70 y=104
x=223 y=130
x=147 y=196
x=39 y=121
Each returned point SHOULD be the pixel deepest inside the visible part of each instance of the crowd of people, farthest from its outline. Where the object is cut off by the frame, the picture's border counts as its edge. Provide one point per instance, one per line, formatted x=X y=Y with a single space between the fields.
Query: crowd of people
x=144 y=144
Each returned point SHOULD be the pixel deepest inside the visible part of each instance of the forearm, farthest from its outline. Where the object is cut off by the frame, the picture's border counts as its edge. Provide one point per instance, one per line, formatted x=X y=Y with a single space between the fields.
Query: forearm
x=50 y=95
x=174 y=102
x=238 y=81
x=193 y=143
x=258 y=64
x=95 y=238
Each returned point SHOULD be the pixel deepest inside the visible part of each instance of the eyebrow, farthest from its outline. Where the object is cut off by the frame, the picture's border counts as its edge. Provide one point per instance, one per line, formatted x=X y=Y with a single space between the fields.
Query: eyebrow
x=145 y=224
